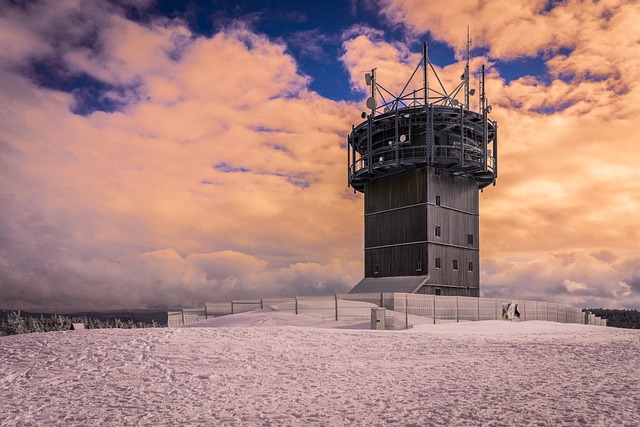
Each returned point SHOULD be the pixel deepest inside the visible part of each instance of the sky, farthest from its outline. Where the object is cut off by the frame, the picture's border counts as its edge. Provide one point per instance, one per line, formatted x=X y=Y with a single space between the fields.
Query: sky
x=158 y=154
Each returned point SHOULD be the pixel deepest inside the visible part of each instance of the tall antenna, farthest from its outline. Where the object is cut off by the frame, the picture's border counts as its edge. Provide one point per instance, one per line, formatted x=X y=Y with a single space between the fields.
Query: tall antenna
x=466 y=71
x=425 y=60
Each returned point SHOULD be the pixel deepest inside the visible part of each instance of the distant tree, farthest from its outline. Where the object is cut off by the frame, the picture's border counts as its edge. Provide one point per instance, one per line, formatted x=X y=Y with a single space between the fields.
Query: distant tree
x=616 y=318
x=15 y=322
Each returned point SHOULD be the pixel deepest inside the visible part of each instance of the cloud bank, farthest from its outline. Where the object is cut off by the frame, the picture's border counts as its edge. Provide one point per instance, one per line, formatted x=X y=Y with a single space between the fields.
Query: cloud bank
x=216 y=173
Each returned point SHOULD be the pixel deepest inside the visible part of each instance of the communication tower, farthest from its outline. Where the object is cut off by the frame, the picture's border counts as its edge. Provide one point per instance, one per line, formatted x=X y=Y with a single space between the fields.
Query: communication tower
x=420 y=158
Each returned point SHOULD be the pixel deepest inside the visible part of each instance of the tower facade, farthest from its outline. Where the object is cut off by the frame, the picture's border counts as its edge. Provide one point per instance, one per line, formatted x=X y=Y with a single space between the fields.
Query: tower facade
x=420 y=159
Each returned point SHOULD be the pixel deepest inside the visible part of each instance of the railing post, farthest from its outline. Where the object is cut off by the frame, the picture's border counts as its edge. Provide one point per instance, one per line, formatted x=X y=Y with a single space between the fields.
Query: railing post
x=336 y=295
x=296 y=299
x=182 y=315
x=381 y=299
x=478 y=319
x=205 y=311
x=261 y=304
x=495 y=301
x=231 y=307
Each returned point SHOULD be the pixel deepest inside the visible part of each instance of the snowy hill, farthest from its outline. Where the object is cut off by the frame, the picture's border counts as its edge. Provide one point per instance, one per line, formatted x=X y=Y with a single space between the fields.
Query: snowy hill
x=274 y=368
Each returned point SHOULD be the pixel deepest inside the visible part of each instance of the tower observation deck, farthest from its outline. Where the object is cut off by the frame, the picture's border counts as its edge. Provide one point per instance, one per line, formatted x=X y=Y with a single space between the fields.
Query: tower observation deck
x=420 y=158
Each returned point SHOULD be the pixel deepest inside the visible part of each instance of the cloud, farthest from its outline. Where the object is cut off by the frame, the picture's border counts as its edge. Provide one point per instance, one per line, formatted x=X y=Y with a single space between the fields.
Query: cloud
x=364 y=48
x=218 y=174
x=574 y=278
x=117 y=208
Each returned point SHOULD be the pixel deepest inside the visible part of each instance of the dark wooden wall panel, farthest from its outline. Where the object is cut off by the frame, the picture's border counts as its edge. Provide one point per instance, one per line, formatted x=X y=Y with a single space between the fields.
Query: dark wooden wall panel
x=396 y=261
x=396 y=226
x=403 y=189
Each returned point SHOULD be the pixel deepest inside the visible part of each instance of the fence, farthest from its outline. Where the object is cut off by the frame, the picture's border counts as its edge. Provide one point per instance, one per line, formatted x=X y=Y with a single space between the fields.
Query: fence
x=402 y=310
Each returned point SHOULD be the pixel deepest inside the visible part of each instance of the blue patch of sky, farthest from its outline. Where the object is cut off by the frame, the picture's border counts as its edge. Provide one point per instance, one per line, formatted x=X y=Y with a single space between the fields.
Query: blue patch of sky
x=552 y=4
x=526 y=66
x=89 y=93
x=299 y=179
x=312 y=32
x=223 y=167
x=551 y=109
x=264 y=129
x=278 y=147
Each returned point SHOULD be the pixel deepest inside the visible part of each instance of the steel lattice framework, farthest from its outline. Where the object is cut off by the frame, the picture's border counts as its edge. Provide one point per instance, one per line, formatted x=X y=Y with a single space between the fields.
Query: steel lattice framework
x=424 y=127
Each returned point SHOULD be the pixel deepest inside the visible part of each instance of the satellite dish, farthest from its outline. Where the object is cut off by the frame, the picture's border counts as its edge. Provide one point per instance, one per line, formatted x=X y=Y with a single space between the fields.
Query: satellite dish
x=367 y=78
x=403 y=138
x=454 y=102
x=472 y=92
x=371 y=102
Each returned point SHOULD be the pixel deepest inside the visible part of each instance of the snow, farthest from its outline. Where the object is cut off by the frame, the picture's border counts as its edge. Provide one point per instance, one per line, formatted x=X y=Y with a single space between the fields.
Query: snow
x=273 y=368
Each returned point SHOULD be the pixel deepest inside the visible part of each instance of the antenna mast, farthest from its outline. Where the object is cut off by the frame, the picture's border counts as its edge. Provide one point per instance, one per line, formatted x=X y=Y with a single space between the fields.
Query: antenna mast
x=425 y=61
x=466 y=72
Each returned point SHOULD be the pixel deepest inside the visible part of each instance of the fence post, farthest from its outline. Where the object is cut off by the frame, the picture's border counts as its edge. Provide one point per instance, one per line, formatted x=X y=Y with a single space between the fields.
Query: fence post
x=524 y=309
x=547 y=319
x=457 y=316
x=205 y=311
x=182 y=315
x=231 y=307
x=381 y=299
x=495 y=304
x=406 y=311
x=296 y=298
x=478 y=310
x=434 y=309
x=261 y=304
x=336 y=295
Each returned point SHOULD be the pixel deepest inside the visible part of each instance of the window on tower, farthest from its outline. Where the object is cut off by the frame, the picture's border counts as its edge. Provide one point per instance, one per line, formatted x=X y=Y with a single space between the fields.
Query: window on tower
x=438 y=262
x=438 y=231
x=438 y=200
x=470 y=265
x=470 y=239
x=455 y=264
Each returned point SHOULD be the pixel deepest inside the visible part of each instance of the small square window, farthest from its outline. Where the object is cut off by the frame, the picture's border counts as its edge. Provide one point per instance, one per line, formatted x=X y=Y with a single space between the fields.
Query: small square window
x=375 y=269
x=438 y=291
x=419 y=266
x=455 y=264
x=438 y=263
x=438 y=200
x=438 y=231
x=471 y=266
x=469 y=239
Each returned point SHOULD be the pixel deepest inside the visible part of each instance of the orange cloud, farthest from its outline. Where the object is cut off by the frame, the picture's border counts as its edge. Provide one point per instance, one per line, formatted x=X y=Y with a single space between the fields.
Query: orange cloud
x=222 y=175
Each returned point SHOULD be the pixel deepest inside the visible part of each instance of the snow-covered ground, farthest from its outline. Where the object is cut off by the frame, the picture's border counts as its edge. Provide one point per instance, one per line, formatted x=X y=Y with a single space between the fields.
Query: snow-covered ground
x=273 y=368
